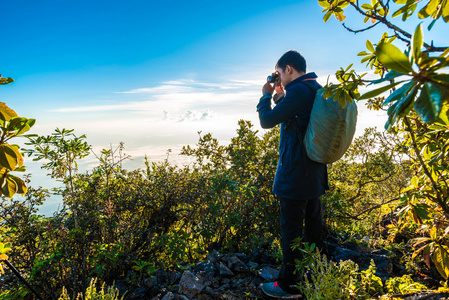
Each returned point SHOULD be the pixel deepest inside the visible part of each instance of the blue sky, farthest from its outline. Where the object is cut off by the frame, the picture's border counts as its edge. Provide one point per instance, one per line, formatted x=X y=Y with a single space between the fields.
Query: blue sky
x=152 y=74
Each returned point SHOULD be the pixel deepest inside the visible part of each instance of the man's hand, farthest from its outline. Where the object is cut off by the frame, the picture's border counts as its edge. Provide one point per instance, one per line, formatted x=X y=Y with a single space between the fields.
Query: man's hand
x=268 y=88
x=278 y=87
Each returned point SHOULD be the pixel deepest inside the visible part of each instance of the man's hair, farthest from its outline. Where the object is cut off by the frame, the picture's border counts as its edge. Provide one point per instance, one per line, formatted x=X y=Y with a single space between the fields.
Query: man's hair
x=294 y=59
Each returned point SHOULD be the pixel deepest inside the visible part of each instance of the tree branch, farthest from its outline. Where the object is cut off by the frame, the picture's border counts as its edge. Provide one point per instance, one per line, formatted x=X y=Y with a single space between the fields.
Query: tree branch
x=368 y=210
x=423 y=165
x=399 y=33
x=359 y=30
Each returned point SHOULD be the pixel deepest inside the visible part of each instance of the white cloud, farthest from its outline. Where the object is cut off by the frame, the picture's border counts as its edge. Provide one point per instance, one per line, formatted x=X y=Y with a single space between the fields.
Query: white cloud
x=186 y=98
x=174 y=111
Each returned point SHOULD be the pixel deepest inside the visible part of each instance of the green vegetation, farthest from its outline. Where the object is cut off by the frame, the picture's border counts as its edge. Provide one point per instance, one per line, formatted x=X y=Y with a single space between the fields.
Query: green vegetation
x=391 y=187
x=344 y=280
x=130 y=223
x=418 y=110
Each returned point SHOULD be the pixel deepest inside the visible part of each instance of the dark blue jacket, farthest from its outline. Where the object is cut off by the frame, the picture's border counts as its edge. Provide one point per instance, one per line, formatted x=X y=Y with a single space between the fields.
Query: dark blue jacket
x=297 y=177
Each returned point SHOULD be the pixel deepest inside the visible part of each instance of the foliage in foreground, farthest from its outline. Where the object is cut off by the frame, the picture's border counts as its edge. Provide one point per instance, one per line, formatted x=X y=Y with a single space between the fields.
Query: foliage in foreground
x=417 y=106
x=94 y=293
x=344 y=280
x=132 y=222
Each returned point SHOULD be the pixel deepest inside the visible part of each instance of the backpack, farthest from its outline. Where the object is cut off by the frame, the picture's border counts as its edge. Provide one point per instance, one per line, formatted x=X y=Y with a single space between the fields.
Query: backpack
x=330 y=130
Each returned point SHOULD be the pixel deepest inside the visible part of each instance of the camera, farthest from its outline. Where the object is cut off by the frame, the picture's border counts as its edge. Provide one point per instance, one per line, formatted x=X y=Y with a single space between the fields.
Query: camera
x=273 y=77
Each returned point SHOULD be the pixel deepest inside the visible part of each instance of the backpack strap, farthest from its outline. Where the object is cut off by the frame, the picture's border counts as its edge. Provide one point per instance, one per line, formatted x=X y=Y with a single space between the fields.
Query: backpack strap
x=295 y=126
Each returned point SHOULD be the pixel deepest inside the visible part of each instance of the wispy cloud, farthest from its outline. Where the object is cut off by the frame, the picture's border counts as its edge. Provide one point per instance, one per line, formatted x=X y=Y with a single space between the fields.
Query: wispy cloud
x=183 y=99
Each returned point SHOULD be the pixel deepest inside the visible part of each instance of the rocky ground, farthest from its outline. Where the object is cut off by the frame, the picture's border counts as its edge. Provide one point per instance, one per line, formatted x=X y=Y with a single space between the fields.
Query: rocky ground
x=238 y=276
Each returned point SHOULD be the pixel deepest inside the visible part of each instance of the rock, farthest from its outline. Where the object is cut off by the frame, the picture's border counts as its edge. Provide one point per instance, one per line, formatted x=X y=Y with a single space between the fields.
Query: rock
x=190 y=285
x=162 y=276
x=140 y=293
x=342 y=254
x=241 y=256
x=217 y=294
x=382 y=251
x=214 y=256
x=150 y=282
x=121 y=286
x=173 y=277
x=261 y=257
x=384 y=266
x=224 y=271
x=268 y=273
x=168 y=296
x=224 y=288
x=207 y=267
x=235 y=264
x=253 y=265
x=356 y=247
x=171 y=296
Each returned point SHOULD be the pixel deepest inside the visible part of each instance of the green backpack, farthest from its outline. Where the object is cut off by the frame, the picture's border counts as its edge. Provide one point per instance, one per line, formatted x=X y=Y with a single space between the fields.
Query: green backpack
x=331 y=128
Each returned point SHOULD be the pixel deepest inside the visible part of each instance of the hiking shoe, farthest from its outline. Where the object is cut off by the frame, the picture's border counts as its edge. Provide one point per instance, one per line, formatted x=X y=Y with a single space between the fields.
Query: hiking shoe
x=272 y=289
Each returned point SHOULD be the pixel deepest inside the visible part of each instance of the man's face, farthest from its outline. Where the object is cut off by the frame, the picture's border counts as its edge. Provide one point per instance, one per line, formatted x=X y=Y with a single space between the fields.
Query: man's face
x=283 y=75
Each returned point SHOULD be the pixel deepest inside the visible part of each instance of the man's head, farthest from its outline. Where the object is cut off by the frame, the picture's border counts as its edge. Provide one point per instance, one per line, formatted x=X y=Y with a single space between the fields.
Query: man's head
x=290 y=66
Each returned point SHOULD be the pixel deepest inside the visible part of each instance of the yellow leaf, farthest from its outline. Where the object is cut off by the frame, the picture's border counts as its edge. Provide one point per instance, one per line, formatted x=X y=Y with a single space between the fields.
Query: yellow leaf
x=441 y=260
x=414 y=181
x=433 y=233
x=6 y=113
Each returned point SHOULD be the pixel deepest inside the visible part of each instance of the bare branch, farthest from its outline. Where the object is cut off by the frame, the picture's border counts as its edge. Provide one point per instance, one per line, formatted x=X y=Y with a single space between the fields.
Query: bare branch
x=359 y=30
x=399 y=33
x=368 y=210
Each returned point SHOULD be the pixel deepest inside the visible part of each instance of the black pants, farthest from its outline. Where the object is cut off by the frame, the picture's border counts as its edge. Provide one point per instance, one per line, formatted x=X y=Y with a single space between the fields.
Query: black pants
x=299 y=218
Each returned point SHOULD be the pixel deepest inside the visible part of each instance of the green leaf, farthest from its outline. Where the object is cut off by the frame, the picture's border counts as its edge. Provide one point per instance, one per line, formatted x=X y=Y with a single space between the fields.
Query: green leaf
x=441 y=78
x=445 y=12
x=18 y=155
x=365 y=59
x=421 y=211
x=324 y=3
x=21 y=186
x=5 y=248
x=369 y=46
x=400 y=108
x=429 y=103
x=376 y=92
x=417 y=43
x=8 y=158
x=6 y=80
x=327 y=16
x=431 y=25
x=399 y=93
x=392 y=58
x=399 y=12
x=390 y=75
x=441 y=260
x=366 y=6
x=9 y=189
x=443 y=118
x=427 y=10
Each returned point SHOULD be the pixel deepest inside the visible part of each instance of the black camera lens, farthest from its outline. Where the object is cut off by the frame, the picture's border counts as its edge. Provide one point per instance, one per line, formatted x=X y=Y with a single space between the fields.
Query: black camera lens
x=273 y=78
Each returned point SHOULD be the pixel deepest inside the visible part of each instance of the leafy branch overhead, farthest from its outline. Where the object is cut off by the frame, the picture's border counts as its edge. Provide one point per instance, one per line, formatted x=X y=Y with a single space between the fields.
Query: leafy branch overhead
x=11 y=159
x=413 y=87
x=424 y=83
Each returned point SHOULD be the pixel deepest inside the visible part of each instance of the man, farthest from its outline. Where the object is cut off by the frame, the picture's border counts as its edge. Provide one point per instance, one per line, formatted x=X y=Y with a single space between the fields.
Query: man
x=299 y=182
